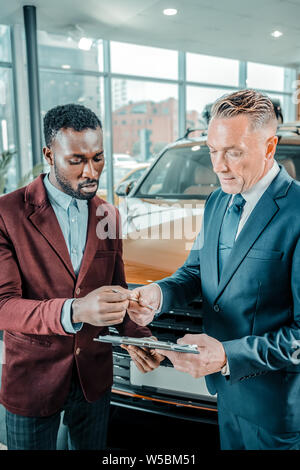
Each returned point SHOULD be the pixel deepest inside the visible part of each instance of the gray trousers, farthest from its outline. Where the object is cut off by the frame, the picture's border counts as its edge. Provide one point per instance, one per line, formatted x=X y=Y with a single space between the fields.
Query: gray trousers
x=85 y=422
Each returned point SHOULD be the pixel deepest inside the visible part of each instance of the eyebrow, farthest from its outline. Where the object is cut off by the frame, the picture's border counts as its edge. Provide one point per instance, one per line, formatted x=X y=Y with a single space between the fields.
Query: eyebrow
x=79 y=155
x=225 y=148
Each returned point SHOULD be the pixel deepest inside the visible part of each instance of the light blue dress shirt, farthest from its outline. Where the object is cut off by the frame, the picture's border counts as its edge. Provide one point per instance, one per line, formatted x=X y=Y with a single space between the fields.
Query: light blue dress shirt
x=72 y=215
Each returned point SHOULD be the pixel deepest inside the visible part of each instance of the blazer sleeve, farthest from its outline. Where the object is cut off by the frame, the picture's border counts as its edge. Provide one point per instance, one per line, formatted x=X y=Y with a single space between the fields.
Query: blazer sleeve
x=254 y=355
x=17 y=314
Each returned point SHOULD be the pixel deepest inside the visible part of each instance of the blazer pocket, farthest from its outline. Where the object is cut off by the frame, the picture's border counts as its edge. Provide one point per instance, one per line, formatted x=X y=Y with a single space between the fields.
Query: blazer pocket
x=264 y=254
x=28 y=340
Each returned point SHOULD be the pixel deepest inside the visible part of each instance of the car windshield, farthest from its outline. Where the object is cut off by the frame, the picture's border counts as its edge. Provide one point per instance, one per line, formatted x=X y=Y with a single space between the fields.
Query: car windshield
x=186 y=172
x=181 y=172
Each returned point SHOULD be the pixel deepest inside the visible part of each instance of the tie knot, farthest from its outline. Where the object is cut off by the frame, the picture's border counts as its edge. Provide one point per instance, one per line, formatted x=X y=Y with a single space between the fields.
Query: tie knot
x=238 y=202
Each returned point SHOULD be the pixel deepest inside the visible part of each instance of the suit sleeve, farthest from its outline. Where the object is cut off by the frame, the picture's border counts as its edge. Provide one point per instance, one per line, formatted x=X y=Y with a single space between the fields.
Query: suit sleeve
x=185 y=284
x=128 y=327
x=254 y=355
x=17 y=314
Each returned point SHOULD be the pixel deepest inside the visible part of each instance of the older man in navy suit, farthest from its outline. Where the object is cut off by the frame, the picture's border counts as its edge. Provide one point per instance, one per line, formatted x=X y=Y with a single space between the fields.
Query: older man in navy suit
x=246 y=264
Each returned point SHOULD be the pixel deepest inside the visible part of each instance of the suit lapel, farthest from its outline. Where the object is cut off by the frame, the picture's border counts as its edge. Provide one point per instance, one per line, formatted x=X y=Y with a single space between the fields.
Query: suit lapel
x=45 y=221
x=260 y=217
x=212 y=243
x=262 y=214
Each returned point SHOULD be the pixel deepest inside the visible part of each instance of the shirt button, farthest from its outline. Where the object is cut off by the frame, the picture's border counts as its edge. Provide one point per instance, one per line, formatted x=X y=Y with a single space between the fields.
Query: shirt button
x=77 y=352
x=216 y=308
x=78 y=290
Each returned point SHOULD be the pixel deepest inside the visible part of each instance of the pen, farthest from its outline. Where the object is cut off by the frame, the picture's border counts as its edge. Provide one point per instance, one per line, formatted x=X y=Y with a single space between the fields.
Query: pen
x=131 y=298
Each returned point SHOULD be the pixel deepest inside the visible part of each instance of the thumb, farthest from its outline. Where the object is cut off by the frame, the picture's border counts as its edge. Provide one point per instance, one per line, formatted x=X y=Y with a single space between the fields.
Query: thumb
x=163 y=352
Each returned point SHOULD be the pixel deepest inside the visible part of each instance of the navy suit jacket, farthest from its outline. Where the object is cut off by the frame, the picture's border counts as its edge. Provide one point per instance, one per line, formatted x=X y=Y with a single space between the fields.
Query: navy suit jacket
x=254 y=310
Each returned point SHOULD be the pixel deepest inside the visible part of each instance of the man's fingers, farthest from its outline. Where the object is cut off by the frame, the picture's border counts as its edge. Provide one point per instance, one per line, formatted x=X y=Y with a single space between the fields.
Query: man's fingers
x=107 y=296
x=112 y=307
x=135 y=307
x=110 y=318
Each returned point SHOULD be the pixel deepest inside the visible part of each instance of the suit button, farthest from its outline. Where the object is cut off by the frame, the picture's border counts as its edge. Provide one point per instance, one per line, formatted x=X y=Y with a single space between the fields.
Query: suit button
x=77 y=291
x=216 y=308
x=77 y=352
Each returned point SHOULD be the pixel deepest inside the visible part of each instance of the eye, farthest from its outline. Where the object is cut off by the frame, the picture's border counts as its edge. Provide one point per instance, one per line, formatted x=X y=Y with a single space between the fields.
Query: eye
x=75 y=161
x=234 y=153
x=98 y=158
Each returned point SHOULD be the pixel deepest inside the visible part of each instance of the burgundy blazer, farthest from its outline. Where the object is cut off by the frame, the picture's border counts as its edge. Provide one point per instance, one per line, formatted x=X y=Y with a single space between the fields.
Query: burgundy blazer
x=36 y=277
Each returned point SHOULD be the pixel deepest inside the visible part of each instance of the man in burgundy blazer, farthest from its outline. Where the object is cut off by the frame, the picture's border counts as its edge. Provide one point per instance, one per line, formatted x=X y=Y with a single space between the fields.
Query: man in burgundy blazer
x=43 y=361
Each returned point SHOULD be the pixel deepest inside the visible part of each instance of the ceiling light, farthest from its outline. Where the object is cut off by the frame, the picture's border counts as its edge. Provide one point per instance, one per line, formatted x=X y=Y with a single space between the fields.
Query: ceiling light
x=276 y=34
x=170 y=11
x=66 y=66
x=85 y=44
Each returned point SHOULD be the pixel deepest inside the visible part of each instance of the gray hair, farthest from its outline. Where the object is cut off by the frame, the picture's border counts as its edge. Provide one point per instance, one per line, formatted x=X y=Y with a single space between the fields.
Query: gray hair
x=258 y=107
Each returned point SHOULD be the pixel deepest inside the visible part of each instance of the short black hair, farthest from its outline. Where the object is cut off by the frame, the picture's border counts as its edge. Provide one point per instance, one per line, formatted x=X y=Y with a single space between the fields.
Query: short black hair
x=74 y=116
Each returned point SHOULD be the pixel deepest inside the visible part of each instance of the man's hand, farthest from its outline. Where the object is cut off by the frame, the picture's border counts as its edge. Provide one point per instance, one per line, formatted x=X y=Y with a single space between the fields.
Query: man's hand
x=145 y=359
x=145 y=297
x=102 y=307
x=211 y=359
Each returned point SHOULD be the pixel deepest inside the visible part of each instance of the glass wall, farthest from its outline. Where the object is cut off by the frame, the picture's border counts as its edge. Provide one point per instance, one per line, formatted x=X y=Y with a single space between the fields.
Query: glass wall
x=152 y=94
x=212 y=70
x=131 y=59
x=8 y=147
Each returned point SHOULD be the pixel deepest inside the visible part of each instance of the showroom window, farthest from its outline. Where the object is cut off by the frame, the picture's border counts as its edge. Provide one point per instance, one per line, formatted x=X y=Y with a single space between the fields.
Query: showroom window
x=145 y=96
x=213 y=70
x=152 y=62
x=69 y=52
x=148 y=127
x=198 y=101
x=61 y=88
x=8 y=148
x=265 y=77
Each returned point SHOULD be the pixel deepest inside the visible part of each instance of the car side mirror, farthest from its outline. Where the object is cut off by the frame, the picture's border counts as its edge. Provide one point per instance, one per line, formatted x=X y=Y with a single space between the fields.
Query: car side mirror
x=124 y=188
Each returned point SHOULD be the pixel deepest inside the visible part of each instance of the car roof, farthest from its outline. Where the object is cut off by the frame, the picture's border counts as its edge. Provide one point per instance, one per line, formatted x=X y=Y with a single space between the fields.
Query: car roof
x=289 y=134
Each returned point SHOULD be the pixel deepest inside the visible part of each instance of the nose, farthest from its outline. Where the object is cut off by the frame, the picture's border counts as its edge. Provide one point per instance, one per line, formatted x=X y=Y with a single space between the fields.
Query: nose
x=219 y=162
x=90 y=171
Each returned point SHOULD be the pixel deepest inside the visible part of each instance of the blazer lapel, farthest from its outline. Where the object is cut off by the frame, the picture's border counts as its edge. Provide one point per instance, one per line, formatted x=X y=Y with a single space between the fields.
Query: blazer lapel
x=212 y=242
x=42 y=216
x=45 y=221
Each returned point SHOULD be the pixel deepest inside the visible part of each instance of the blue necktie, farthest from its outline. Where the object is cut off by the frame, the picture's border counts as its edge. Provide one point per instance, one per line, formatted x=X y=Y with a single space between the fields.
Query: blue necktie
x=229 y=229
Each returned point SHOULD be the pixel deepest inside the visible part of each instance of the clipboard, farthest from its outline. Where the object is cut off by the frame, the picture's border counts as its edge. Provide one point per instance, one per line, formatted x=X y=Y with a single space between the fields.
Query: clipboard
x=146 y=343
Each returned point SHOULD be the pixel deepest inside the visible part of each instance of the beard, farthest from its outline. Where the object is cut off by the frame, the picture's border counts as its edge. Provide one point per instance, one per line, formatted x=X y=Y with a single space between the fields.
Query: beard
x=76 y=193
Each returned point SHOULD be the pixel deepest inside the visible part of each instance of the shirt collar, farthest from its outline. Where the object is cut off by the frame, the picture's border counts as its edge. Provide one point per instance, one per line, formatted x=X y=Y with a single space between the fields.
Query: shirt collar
x=62 y=199
x=254 y=194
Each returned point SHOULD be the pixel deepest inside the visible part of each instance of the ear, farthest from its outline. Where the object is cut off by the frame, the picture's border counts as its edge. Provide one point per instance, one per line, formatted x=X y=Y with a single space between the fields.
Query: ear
x=48 y=154
x=271 y=147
